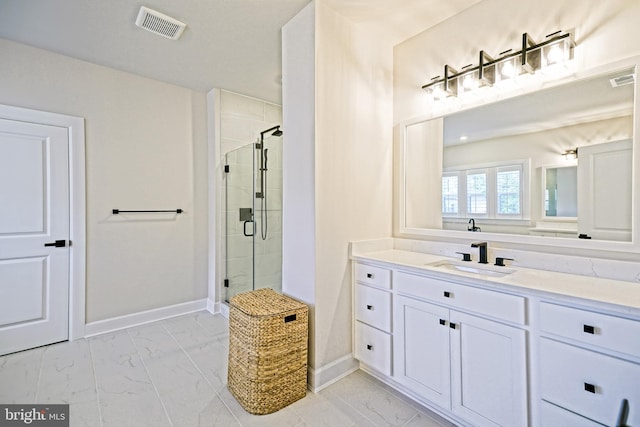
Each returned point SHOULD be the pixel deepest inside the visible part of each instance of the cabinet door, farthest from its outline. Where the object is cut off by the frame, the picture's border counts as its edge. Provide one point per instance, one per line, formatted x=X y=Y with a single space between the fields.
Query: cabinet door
x=489 y=372
x=421 y=349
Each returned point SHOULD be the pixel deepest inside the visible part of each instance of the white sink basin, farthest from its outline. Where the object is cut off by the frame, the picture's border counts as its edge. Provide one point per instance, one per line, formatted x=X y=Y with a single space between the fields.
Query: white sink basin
x=474 y=268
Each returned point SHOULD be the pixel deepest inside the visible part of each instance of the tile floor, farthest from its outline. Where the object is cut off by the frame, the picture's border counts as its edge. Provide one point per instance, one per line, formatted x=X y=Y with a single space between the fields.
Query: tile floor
x=173 y=373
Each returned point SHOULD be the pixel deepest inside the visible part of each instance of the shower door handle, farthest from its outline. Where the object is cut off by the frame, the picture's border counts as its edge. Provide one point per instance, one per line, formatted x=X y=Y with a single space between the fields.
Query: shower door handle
x=244 y=228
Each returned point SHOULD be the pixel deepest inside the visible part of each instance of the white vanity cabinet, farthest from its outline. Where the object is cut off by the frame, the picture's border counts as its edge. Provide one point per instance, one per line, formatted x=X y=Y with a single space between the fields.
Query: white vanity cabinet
x=534 y=348
x=589 y=363
x=464 y=362
x=372 y=312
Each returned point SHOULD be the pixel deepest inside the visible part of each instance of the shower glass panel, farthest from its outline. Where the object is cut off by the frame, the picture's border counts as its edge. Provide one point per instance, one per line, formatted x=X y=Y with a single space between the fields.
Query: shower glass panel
x=253 y=217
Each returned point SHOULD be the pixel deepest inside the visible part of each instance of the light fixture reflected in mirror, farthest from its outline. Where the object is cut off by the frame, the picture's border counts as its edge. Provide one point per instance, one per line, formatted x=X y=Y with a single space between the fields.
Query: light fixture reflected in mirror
x=554 y=52
x=571 y=154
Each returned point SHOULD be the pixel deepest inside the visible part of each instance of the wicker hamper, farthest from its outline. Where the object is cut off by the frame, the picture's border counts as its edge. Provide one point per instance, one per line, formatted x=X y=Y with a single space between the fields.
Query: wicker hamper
x=267 y=350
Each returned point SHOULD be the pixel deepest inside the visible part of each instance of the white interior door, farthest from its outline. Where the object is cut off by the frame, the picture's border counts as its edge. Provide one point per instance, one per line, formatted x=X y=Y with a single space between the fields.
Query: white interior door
x=605 y=190
x=34 y=214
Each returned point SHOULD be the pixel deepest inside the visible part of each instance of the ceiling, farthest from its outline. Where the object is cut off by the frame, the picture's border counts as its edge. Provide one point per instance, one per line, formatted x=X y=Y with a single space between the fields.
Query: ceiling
x=229 y=44
x=580 y=101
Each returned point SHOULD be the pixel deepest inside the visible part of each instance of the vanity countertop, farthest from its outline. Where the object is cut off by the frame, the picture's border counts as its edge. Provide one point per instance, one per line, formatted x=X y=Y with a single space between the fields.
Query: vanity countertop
x=624 y=295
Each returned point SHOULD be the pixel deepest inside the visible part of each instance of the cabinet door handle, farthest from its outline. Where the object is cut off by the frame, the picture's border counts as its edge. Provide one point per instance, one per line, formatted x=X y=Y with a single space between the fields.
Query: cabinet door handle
x=443 y=322
x=369 y=347
x=369 y=276
x=447 y=294
x=589 y=329
x=453 y=325
x=591 y=388
x=369 y=307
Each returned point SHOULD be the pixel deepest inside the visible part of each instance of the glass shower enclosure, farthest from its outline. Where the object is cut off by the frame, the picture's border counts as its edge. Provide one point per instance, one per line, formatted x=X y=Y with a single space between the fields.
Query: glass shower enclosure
x=253 y=216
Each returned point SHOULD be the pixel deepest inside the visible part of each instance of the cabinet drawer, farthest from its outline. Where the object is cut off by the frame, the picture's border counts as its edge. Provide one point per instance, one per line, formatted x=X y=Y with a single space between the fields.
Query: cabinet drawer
x=554 y=416
x=588 y=383
x=606 y=331
x=375 y=276
x=373 y=306
x=373 y=348
x=490 y=303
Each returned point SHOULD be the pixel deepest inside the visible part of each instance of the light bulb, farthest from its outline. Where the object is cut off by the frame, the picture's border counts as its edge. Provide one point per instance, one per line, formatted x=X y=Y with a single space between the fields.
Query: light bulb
x=469 y=82
x=555 y=55
x=507 y=70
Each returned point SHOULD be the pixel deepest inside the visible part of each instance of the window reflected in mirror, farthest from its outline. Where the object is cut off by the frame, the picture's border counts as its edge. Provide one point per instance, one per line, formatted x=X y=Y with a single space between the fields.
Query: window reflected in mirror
x=561 y=192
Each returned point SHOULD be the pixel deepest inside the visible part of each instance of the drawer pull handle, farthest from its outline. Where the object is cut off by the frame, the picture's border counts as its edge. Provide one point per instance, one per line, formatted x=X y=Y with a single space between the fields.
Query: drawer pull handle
x=447 y=294
x=589 y=329
x=443 y=322
x=369 y=307
x=369 y=347
x=369 y=276
x=452 y=325
x=590 y=388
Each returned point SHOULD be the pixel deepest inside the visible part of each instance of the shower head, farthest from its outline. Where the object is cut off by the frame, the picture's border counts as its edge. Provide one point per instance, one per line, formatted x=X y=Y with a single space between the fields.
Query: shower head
x=276 y=132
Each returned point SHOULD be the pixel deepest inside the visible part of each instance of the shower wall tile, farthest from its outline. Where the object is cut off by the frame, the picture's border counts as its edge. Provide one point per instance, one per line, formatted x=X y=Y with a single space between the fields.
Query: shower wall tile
x=239 y=105
x=274 y=200
x=274 y=225
x=268 y=264
x=241 y=128
x=272 y=113
x=239 y=246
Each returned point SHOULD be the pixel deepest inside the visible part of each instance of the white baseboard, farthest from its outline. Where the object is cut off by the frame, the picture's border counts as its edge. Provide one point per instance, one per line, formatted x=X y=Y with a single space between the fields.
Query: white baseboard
x=328 y=374
x=212 y=306
x=140 y=318
x=224 y=310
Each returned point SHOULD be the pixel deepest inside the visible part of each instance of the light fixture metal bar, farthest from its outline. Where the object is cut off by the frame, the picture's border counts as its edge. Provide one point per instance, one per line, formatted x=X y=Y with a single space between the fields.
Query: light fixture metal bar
x=527 y=42
x=485 y=61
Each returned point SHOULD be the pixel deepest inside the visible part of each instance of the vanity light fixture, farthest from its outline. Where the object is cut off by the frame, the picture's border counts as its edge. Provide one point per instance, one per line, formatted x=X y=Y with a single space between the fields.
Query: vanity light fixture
x=570 y=154
x=555 y=50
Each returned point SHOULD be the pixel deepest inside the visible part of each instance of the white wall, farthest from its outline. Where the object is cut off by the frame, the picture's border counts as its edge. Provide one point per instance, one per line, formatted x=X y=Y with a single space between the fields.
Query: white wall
x=337 y=164
x=146 y=148
x=298 y=161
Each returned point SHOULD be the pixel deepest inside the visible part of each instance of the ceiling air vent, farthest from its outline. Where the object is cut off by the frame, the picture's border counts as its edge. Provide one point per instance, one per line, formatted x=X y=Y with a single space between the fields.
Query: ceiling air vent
x=159 y=23
x=622 y=80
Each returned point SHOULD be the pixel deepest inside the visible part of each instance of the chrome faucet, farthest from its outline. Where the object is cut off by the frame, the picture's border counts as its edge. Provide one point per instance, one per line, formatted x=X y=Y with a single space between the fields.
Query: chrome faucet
x=473 y=225
x=483 y=251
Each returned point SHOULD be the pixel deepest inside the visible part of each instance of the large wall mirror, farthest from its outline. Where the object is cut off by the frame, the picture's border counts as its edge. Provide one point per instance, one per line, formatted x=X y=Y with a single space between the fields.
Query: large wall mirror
x=554 y=162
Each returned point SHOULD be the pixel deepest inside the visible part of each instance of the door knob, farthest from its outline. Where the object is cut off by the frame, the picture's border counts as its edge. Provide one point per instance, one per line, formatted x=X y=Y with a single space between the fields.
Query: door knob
x=57 y=243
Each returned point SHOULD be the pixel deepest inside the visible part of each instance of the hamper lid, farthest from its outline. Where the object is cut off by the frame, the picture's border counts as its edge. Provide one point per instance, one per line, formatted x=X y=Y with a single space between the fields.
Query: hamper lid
x=264 y=302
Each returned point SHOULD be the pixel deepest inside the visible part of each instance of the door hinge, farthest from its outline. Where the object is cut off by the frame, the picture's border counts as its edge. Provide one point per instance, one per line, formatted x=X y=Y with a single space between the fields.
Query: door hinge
x=226 y=283
x=226 y=168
